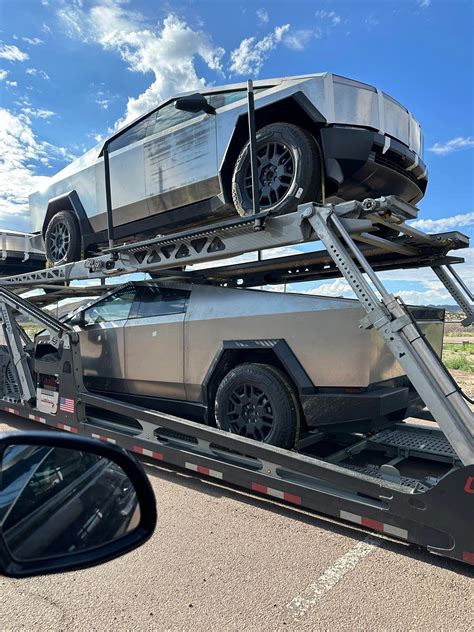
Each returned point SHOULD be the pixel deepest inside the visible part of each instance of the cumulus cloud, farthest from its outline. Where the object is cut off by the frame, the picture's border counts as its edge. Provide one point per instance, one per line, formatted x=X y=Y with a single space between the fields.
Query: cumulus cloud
x=455 y=144
x=249 y=56
x=12 y=53
x=21 y=157
x=3 y=74
x=444 y=223
x=168 y=51
x=336 y=288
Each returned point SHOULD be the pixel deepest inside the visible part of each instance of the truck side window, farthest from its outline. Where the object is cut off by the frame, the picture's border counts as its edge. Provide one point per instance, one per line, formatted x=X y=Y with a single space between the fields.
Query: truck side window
x=132 y=134
x=154 y=301
x=168 y=116
x=114 y=307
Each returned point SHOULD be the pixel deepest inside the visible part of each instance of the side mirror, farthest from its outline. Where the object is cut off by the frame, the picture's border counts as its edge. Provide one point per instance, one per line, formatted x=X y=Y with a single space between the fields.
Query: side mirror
x=194 y=103
x=68 y=502
x=77 y=320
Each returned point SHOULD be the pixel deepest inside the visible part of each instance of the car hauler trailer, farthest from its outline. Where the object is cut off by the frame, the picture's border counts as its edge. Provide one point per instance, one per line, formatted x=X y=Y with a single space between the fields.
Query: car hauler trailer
x=411 y=482
x=20 y=252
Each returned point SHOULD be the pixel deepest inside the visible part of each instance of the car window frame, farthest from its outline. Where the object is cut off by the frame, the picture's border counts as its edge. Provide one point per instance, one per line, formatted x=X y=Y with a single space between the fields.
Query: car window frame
x=103 y=300
x=135 y=311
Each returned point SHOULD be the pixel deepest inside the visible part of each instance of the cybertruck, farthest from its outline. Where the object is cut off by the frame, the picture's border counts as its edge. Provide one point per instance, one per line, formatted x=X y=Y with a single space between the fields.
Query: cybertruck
x=187 y=162
x=241 y=358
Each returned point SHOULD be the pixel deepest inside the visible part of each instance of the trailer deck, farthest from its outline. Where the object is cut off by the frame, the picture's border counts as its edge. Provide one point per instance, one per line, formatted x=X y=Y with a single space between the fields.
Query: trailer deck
x=410 y=482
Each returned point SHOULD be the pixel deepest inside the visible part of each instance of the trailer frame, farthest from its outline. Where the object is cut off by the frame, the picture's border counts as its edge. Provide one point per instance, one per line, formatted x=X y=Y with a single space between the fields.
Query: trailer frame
x=367 y=479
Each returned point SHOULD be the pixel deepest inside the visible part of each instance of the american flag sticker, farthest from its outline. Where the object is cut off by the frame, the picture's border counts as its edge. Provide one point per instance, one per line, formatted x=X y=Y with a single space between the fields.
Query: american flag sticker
x=66 y=405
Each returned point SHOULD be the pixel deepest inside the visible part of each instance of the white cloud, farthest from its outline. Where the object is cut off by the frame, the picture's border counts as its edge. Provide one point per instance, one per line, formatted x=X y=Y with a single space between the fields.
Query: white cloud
x=38 y=113
x=249 y=56
x=33 y=41
x=3 y=74
x=336 y=288
x=12 y=53
x=300 y=38
x=21 y=155
x=444 y=223
x=12 y=84
x=330 y=16
x=424 y=4
x=35 y=72
x=168 y=51
x=455 y=144
x=262 y=15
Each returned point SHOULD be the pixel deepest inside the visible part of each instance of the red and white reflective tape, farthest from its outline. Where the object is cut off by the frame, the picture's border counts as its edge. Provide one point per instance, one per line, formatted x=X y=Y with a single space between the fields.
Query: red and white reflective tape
x=103 y=438
x=40 y=420
x=145 y=452
x=375 y=524
x=204 y=470
x=276 y=493
x=12 y=411
x=468 y=557
x=68 y=428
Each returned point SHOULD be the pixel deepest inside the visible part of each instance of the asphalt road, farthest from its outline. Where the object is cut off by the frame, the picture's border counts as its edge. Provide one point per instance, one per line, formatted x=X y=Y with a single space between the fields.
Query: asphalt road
x=223 y=560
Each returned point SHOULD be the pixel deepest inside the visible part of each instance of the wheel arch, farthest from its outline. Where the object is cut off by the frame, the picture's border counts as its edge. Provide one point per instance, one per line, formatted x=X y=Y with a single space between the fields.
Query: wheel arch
x=276 y=353
x=296 y=109
x=68 y=202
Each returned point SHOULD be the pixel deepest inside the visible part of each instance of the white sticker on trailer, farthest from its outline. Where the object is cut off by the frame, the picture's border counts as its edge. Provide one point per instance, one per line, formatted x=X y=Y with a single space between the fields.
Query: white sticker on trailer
x=47 y=401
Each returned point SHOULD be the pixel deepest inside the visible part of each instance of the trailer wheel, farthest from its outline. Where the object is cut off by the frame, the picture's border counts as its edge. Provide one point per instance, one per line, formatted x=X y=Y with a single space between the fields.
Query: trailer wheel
x=258 y=402
x=288 y=166
x=62 y=239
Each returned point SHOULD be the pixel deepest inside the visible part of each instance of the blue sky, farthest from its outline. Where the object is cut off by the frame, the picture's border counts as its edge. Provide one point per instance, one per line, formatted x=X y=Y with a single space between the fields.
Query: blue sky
x=70 y=70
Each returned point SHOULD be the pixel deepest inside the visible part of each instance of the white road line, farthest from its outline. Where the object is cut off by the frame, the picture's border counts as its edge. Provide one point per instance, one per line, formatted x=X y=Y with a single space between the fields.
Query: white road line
x=300 y=605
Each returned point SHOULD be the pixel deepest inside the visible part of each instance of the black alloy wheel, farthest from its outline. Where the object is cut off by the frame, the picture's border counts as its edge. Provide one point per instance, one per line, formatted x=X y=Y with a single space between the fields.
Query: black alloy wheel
x=62 y=239
x=288 y=170
x=276 y=172
x=249 y=412
x=257 y=401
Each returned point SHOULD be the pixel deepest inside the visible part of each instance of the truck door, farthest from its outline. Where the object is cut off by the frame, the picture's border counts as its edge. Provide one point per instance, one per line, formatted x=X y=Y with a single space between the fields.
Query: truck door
x=180 y=156
x=102 y=341
x=154 y=339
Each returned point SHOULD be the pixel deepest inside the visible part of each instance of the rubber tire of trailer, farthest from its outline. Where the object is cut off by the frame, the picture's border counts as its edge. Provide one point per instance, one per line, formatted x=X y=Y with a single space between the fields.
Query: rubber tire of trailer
x=306 y=181
x=277 y=389
x=73 y=252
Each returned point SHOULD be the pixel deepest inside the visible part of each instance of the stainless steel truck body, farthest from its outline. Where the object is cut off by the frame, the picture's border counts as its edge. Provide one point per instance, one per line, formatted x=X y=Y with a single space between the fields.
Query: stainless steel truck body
x=262 y=364
x=187 y=162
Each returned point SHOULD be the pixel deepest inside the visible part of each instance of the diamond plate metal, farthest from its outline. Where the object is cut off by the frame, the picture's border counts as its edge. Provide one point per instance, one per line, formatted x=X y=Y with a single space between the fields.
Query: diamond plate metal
x=429 y=442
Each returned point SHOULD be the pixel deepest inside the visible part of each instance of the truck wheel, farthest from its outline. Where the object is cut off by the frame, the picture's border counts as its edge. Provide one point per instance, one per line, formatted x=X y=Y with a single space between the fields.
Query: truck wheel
x=257 y=401
x=288 y=166
x=62 y=239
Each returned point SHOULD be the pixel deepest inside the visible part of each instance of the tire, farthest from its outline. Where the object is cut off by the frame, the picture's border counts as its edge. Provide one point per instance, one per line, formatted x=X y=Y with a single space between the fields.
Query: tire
x=288 y=166
x=62 y=239
x=275 y=420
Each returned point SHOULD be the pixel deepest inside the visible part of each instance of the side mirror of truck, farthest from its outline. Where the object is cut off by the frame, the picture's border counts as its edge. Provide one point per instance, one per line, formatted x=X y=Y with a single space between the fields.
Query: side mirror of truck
x=69 y=502
x=194 y=103
x=77 y=320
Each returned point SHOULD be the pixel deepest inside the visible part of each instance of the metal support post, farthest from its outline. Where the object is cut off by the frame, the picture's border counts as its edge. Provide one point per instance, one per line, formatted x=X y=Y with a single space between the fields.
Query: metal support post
x=253 y=155
x=400 y=333
x=455 y=286
x=18 y=356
